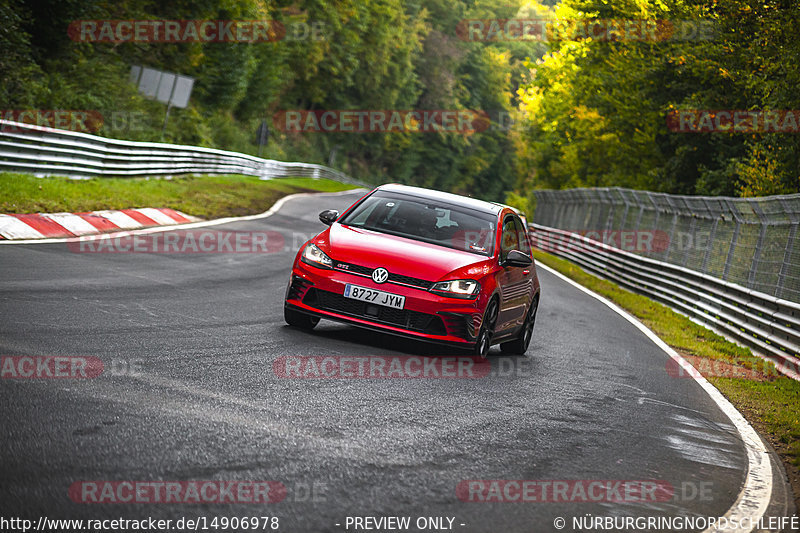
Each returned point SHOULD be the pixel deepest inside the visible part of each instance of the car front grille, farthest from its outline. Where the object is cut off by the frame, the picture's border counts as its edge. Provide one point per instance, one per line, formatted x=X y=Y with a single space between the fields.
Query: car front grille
x=402 y=318
x=393 y=278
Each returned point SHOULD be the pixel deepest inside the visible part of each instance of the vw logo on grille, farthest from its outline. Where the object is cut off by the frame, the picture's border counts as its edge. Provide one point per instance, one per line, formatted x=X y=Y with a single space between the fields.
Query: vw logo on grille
x=380 y=275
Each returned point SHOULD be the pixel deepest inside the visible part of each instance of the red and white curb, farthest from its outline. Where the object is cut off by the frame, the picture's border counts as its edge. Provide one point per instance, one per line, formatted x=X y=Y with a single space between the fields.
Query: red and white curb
x=60 y=225
x=141 y=230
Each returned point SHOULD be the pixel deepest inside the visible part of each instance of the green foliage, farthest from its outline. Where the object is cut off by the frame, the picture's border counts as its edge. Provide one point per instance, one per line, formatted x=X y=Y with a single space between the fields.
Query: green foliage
x=594 y=113
x=348 y=54
x=584 y=113
x=22 y=77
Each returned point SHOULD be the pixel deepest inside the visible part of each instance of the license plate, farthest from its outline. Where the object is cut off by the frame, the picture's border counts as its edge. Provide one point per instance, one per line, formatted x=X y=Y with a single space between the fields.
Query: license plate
x=365 y=294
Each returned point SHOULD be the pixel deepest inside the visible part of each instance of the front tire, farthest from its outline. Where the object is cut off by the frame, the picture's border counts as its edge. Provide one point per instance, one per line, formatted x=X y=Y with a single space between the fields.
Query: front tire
x=520 y=345
x=484 y=341
x=299 y=320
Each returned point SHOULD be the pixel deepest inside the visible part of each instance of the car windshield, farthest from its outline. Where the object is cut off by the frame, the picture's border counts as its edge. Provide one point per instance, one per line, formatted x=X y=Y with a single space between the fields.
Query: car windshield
x=425 y=220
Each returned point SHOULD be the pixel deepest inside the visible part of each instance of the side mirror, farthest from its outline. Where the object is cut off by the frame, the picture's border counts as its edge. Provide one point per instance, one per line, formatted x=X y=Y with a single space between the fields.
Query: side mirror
x=328 y=216
x=516 y=258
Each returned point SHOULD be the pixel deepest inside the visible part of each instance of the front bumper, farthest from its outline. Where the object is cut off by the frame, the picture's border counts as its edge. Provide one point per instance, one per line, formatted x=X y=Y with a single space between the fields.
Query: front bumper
x=425 y=316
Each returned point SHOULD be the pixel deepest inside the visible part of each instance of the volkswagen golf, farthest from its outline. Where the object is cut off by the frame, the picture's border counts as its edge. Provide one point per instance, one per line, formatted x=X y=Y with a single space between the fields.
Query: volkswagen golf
x=420 y=263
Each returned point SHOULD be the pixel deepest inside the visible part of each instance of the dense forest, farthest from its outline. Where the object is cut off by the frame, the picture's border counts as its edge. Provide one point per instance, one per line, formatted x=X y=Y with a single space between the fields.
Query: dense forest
x=564 y=110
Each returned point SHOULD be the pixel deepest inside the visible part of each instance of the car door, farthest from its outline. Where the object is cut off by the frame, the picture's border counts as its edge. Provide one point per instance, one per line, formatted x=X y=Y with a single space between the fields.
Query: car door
x=528 y=273
x=514 y=282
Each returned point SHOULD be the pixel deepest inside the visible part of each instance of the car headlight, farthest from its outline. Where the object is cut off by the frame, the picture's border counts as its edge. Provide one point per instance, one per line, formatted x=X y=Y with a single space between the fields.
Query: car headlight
x=457 y=288
x=316 y=257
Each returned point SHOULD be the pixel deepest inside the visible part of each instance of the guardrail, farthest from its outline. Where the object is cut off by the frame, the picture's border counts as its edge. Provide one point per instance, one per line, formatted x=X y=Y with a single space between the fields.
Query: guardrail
x=770 y=326
x=753 y=242
x=47 y=151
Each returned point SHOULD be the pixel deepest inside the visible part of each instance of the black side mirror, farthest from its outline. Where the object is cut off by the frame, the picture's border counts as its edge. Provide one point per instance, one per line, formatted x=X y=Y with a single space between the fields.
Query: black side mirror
x=328 y=216
x=516 y=258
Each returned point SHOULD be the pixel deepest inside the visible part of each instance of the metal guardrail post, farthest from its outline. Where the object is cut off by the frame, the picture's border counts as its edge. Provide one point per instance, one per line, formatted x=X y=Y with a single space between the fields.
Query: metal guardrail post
x=762 y=230
x=558 y=211
x=577 y=211
x=551 y=212
x=571 y=213
x=710 y=242
x=640 y=204
x=790 y=242
x=671 y=236
x=625 y=211
x=656 y=213
x=688 y=246
x=734 y=239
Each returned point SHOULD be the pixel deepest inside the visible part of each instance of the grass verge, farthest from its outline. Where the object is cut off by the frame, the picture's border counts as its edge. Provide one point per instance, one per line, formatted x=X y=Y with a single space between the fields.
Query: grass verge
x=202 y=196
x=769 y=400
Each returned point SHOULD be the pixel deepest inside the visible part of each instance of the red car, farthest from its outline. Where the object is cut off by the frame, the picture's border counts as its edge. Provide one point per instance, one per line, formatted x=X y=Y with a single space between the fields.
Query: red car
x=420 y=263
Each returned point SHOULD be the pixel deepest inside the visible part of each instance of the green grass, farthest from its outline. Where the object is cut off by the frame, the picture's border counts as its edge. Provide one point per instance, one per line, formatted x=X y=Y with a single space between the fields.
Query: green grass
x=770 y=401
x=774 y=404
x=202 y=196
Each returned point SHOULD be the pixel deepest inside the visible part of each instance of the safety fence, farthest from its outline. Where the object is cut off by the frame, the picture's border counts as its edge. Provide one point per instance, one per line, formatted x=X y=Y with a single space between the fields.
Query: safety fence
x=753 y=242
x=731 y=263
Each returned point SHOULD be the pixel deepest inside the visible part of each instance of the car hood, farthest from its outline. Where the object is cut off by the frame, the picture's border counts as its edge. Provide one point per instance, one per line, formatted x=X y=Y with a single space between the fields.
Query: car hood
x=398 y=255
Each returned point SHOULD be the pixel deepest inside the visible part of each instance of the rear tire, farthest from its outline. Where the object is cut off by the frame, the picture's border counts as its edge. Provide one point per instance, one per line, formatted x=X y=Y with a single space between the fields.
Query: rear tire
x=299 y=320
x=520 y=345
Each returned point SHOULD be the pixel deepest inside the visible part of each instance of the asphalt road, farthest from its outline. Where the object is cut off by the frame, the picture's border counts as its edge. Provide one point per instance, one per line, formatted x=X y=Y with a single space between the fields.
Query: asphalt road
x=189 y=393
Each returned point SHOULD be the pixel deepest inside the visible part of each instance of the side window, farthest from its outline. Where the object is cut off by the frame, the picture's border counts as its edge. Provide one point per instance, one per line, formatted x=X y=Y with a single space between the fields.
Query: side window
x=509 y=240
x=522 y=231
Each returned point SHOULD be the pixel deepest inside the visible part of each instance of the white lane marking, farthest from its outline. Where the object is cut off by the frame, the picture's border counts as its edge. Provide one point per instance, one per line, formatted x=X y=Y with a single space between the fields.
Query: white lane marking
x=71 y=222
x=119 y=219
x=13 y=228
x=754 y=498
x=158 y=229
x=158 y=216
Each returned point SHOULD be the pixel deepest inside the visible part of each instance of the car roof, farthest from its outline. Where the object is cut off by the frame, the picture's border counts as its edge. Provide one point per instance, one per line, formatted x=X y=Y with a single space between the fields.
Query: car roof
x=446 y=197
